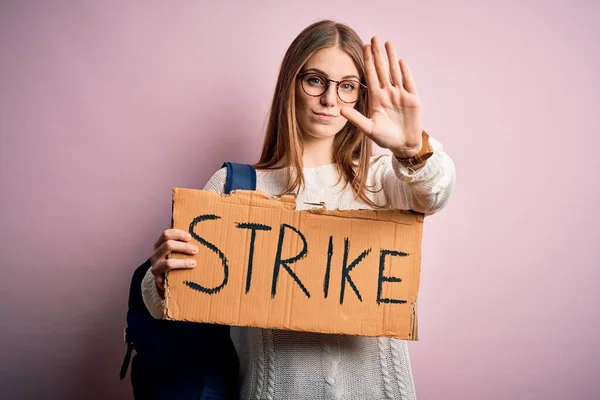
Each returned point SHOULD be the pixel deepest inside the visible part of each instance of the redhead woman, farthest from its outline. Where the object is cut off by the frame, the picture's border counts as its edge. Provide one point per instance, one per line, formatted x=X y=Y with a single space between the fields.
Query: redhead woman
x=334 y=98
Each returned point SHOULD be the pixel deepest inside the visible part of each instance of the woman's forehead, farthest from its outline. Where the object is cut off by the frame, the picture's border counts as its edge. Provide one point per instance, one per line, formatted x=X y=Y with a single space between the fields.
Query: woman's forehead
x=333 y=62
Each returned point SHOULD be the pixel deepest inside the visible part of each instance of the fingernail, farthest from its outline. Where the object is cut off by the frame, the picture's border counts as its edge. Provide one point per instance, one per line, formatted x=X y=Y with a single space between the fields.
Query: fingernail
x=191 y=263
x=194 y=249
x=188 y=236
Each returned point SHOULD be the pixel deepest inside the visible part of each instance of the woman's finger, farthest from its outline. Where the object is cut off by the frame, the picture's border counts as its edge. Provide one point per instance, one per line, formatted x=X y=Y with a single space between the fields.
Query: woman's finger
x=172 y=246
x=172 y=234
x=371 y=75
x=407 y=79
x=357 y=119
x=169 y=264
x=394 y=65
x=160 y=283
x=380 y=64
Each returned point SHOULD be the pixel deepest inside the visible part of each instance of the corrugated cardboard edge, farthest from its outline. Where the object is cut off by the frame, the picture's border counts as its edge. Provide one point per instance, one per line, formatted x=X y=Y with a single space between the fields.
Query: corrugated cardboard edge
x=414 y=323
x=165 y=305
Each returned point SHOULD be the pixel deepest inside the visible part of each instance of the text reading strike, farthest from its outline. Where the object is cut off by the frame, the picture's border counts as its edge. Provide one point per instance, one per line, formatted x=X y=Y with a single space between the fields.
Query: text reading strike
x=282 y=263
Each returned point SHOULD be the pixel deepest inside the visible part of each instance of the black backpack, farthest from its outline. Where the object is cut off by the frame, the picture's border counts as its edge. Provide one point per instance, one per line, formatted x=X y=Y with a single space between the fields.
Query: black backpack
x=181 y=360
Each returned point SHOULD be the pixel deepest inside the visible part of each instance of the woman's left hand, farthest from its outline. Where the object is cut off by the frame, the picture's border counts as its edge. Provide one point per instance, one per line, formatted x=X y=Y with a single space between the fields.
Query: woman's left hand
x=395 y=121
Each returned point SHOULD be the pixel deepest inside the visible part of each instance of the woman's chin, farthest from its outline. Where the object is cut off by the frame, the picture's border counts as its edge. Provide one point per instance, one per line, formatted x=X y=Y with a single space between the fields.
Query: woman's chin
x=323 y=132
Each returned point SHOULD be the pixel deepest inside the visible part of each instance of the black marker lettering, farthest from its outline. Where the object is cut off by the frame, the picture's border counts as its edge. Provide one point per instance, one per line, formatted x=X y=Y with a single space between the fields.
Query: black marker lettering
x=328 y=270
x=284 y=263
x=383 y=278
x=253 y=227
x=347 y=268
x=203 y=242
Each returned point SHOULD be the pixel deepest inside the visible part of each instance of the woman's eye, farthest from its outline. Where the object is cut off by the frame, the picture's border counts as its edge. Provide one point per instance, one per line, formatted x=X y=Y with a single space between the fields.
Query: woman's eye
x=349 y=86
x=315 y=80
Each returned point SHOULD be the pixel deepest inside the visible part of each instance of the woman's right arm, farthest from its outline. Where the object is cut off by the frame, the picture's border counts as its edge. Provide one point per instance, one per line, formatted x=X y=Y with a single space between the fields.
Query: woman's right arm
x=172 y=240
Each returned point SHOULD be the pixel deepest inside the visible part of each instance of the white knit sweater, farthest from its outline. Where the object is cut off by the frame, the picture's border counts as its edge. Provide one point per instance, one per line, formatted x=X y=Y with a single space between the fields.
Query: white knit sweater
x=286 y=365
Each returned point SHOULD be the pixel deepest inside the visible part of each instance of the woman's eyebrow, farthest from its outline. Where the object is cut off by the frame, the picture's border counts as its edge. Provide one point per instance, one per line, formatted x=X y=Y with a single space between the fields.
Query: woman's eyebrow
x=323 y=73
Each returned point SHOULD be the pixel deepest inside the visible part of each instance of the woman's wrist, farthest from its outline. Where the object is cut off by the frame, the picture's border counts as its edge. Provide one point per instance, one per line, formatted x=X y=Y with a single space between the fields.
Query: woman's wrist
x=419 y=159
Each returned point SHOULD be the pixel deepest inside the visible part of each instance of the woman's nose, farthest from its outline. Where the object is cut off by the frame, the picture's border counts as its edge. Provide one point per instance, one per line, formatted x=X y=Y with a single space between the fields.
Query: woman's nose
x=329 y=98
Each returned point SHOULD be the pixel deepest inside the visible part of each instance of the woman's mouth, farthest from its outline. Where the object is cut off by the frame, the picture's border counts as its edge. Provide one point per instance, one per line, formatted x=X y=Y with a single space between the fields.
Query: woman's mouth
x=324 y=116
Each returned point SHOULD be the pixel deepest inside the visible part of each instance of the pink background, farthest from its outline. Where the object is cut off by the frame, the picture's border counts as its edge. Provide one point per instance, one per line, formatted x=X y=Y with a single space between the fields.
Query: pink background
x=105 y=106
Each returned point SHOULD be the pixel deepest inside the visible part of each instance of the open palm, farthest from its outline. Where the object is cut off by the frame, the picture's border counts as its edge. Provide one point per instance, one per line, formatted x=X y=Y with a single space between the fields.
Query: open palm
x=395 y=121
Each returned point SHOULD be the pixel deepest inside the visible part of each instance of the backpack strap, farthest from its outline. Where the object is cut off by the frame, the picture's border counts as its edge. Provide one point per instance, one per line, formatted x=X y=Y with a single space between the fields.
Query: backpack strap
x=239 y=176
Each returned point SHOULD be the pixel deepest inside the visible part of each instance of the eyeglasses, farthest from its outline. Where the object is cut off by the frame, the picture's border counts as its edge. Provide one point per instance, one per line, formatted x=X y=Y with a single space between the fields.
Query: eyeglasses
x=315 y=85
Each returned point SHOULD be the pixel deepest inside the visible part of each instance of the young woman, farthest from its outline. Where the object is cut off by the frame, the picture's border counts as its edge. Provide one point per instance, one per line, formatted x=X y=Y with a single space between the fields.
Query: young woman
x=334 y=97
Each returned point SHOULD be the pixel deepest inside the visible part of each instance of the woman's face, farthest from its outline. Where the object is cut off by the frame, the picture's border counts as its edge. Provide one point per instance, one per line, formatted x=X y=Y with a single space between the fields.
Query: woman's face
x=320 y=116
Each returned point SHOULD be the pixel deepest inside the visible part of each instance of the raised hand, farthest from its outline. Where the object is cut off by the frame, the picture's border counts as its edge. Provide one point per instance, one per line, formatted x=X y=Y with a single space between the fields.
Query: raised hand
x=395 y=121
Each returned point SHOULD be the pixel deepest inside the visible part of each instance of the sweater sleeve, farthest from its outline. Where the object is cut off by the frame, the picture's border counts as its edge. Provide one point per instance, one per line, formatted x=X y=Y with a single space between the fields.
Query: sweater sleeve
x=152 y=299
x=425 y=190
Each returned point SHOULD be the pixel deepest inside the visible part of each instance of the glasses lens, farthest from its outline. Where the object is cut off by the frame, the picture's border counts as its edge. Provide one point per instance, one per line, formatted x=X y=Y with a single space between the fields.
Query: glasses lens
x=349 y=91
x=314 y=84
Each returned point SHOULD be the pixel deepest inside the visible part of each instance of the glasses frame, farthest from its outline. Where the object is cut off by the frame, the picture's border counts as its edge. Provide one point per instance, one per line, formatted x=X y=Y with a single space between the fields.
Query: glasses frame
x=337 y=86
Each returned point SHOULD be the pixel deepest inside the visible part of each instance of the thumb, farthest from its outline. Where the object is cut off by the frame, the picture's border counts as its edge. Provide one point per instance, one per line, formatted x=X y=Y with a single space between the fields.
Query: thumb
x=357 y=119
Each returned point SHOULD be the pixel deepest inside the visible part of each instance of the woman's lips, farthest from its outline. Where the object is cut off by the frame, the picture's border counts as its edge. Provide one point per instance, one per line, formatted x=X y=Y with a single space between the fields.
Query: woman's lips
x=324 y=116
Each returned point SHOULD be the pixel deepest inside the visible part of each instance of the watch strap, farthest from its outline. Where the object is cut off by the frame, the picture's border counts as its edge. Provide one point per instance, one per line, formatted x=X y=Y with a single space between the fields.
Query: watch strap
x=418 y=160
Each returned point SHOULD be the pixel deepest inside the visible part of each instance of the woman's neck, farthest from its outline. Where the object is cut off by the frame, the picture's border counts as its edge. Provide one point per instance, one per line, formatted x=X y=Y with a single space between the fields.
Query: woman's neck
x=317 y=151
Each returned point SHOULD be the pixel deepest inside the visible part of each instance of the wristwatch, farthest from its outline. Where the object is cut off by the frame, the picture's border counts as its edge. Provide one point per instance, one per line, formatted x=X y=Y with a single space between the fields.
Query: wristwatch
x=417 y=161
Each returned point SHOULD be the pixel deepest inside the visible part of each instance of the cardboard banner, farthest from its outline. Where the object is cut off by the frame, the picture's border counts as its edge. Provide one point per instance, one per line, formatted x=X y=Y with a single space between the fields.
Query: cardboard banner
x=261 y=263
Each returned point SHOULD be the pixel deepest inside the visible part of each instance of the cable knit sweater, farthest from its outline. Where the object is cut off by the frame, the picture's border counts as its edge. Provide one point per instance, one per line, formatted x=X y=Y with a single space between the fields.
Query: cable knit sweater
x=286 y=365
